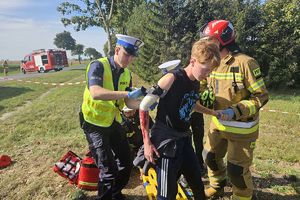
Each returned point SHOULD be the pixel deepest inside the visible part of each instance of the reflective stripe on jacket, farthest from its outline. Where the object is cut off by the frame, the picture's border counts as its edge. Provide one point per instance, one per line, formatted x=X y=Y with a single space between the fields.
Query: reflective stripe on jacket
x=99 y=112
x=235 y=126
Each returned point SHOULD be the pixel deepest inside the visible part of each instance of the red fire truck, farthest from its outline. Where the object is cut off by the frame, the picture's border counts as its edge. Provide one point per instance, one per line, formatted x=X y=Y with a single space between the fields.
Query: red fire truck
x=44 y=60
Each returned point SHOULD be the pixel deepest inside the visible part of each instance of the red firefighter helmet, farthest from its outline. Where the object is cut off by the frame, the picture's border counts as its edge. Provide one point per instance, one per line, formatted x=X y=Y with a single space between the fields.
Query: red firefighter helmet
x=221 y=29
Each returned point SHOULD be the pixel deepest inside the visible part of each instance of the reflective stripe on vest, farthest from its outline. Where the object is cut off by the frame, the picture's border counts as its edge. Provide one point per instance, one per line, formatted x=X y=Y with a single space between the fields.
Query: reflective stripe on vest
x=99 y=112
x=235 y=126
x=87 y=183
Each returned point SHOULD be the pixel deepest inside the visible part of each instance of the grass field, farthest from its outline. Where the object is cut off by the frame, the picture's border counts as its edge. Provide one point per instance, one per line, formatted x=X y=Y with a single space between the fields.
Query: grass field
x=39 y=124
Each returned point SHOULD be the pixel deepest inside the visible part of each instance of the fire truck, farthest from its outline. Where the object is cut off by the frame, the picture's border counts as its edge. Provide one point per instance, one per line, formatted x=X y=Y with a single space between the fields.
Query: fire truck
x=44 y=60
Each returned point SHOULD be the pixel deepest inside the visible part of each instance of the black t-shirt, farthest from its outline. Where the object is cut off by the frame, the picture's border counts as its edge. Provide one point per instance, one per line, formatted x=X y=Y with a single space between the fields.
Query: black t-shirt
x=174 y=109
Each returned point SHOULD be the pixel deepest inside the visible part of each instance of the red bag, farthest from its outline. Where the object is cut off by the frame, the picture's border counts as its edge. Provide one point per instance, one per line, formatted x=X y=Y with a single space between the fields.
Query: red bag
x=88 y=175
x=68 y=167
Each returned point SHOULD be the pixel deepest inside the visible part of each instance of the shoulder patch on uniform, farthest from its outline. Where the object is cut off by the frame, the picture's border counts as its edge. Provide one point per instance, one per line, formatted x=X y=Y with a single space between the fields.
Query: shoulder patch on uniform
x=256 y=72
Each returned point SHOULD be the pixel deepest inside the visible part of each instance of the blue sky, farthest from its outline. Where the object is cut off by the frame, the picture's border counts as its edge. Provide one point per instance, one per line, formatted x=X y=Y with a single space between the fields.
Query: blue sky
x=26 y=25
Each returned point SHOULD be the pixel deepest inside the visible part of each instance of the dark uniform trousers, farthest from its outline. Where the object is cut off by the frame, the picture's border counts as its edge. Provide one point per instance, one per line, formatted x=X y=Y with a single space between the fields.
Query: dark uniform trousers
x=110 y=149
x=168 y=171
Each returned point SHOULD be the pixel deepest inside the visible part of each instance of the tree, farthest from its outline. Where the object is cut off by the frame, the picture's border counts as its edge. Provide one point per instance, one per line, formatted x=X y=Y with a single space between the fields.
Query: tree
x=124 y=10
x=168 y=29
x=145 y=24
x=100 y=13
x=95 y=13
x=180 y=23
x=281 y=42
x=64 y=40
x=78 y=50
x=92 y=53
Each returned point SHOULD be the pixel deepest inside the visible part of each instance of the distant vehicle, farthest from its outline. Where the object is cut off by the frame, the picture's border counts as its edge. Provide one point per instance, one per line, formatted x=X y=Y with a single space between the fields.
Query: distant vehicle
x=44 y=60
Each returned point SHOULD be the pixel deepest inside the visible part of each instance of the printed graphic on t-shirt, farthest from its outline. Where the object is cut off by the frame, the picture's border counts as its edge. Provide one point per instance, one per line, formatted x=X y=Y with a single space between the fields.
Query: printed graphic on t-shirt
x=187 y=104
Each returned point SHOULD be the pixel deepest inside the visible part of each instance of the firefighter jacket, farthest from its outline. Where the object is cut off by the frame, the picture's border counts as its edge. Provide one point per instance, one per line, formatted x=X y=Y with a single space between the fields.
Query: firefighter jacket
x=238 y=84
x=103 y=113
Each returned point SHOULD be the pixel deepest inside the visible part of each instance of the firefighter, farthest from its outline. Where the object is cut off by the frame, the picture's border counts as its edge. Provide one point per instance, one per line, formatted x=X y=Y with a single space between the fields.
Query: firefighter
x=169 y=146
x=239 y=94
x=104 y=96
x=5 y=67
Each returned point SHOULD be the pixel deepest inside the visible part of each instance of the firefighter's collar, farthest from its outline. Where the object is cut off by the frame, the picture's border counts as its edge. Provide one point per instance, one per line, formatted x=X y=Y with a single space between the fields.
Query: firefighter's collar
x=228 y=59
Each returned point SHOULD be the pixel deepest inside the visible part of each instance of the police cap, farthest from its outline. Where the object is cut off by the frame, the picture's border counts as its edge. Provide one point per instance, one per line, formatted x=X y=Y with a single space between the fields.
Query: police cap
x=130 y=44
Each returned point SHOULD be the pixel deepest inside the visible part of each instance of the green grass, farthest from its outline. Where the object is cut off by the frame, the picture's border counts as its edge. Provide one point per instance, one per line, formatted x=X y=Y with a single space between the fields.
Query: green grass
x=38 y=134
x=43 y=132
x=14 y=93
x=287 y=189
x=278 y=143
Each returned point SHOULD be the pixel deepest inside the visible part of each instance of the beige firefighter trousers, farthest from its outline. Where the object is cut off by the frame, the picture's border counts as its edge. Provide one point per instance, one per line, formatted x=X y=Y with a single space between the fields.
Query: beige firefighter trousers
x=239 y=159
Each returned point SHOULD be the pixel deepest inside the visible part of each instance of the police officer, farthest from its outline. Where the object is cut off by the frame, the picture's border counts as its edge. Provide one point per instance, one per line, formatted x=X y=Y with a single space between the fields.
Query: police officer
x=240 y=92
x=169 y=146
x=104 y=97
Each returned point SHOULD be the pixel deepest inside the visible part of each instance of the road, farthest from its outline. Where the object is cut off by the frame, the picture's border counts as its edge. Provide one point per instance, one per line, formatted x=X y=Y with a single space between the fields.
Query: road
x=35 y=74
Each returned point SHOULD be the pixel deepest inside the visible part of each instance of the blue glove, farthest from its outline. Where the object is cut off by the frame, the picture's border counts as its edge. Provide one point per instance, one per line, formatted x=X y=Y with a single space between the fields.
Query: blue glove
x=153 y=106
x=135 y=94
x=229 y=112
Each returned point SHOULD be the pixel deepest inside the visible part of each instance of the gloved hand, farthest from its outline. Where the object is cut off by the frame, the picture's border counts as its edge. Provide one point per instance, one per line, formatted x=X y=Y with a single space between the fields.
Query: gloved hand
x=135 y=94
x=228 y=114
x=153 y=106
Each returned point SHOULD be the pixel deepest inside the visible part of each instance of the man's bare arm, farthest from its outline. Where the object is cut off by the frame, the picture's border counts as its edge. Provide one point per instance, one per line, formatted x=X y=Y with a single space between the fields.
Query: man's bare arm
x=156 y=92
x=199 y=108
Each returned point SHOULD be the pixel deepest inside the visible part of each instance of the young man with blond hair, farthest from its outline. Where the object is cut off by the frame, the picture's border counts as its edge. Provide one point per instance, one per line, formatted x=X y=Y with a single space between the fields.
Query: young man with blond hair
x=169 y=147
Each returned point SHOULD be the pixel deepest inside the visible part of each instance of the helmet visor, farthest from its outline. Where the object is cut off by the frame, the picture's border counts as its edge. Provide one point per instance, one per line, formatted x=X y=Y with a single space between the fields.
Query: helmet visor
x=202 y=34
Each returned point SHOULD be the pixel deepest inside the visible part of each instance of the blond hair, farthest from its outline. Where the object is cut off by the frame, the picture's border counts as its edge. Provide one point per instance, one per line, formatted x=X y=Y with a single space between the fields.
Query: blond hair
x=206 y=51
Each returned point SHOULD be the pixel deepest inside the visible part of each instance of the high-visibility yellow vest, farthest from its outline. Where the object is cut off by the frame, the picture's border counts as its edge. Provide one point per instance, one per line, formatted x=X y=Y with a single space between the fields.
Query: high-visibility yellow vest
x=99 y=112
